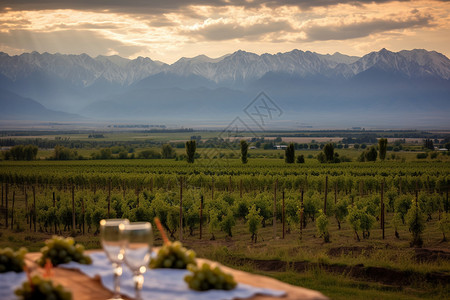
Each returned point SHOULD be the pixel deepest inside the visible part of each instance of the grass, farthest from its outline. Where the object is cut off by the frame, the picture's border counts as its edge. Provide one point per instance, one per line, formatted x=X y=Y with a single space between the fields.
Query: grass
x=391 y=253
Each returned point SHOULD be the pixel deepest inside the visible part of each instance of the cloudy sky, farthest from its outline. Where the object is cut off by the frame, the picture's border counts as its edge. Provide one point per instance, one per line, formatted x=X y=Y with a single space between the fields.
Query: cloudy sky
x=169 y=29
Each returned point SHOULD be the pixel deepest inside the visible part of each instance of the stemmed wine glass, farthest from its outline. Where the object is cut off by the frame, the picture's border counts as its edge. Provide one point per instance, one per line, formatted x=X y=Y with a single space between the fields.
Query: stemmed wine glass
x=138 y=240
x=112 y=243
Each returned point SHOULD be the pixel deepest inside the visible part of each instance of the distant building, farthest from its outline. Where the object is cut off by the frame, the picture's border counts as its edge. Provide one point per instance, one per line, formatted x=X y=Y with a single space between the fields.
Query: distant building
x=280 y=147
x=252 y=147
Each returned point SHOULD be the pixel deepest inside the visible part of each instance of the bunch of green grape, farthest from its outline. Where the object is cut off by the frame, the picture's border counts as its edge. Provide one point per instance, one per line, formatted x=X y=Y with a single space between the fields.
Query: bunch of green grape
x=42 y=289
x=62 y=250
x=173 y=256
x=12 y=261
x=205 y=278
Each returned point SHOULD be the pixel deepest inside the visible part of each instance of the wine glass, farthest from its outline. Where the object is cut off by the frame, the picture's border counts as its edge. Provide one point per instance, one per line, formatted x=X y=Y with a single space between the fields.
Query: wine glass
x=138 y=240
x=112 y=243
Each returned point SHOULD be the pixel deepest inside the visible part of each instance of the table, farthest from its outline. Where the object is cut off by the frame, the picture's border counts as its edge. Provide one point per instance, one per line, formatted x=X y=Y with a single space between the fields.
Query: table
x=84 y=288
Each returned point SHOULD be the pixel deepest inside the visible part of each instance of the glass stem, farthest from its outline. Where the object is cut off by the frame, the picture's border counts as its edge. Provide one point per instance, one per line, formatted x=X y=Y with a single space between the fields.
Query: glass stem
x=117 y=274
x=138 y=282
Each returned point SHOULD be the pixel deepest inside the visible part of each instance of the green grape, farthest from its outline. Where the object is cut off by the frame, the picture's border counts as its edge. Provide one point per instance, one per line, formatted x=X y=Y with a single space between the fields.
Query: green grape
x=62 y=250
x=173 y=256
x=42 y=289
x=12 y=261
x=205 y=278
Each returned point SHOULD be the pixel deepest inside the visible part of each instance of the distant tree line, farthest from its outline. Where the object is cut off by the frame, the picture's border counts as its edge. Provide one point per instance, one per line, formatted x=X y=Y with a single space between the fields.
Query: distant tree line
x=21 y=152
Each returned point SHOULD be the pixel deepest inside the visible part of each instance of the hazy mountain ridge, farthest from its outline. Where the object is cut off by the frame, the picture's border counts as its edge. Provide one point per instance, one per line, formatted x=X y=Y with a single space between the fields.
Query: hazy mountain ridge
x=83 y=70
x=383 y=81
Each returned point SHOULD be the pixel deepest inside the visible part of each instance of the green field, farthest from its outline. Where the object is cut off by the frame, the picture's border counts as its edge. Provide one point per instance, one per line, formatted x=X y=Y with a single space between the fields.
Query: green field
x=342 y=268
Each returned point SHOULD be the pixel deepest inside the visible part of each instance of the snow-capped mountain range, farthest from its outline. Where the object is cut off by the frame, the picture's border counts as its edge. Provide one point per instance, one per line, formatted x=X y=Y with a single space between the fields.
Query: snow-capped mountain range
x=86 y=85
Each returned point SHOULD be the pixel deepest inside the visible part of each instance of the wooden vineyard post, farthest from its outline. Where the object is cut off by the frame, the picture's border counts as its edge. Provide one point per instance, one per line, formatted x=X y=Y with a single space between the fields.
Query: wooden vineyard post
x=137 y=192
x=240 y=188
x=335 y=192
x=361 y=189
x=283 y=215
x=34 y=209
x=301 y=215
x=230 y=186
x=109 y=197
x=212 y=189
x=54 y=206
x=2 y=193
x=275 y=209
x=399 y=186
x=326 y=194
x=124 y=189
x=6 y=204
x=12 y=209
x=201 y=216
x=181 y=208
x=151 y=185
x=25 y=194
x=446 y=200
x=417 y=192
x=83 y=212
x=73 y=208
x=382 y=209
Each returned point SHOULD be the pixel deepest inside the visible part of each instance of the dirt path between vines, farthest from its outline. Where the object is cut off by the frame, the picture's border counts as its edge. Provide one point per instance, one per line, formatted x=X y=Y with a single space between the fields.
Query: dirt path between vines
x=376 y=274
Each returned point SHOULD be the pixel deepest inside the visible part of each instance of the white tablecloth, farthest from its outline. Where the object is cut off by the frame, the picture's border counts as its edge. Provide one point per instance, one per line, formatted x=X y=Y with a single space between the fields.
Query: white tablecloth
x=162 y=284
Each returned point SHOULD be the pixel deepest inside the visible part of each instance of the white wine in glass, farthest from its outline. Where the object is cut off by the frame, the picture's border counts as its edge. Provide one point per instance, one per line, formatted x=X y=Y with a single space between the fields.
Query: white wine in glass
x=112 y=243
x=138 y=238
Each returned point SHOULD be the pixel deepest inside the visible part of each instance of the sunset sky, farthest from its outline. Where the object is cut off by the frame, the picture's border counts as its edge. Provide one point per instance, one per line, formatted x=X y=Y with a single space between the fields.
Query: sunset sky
x=170 y=29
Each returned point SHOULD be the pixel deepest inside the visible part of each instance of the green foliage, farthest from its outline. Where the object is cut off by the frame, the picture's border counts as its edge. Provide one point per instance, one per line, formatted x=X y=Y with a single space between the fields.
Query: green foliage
x=396 y=222
x=301 y=159
x=401 y=205
x=429 y=203
x=370 y=154
x=21 y=152
x=104 y=153
x=149 y=154
x=63 y=153
x=214 y=222
x=289 y=155
x=360 y=219
x=422 y=155
x=123 y=154
x=341 y=211
x=328 y=150
x=254 y=220
x=382 y=145
x=228 y=222
x=264 y=203
x=167 y=151
x=321 y=157
x=416 y=225
x=191 y=146
x=428 y=144
x=390 y=196
x=244 y=151
x=311 y=205
x=322 y=226
x=241 y=209
x=444 y=225
x=173 y=219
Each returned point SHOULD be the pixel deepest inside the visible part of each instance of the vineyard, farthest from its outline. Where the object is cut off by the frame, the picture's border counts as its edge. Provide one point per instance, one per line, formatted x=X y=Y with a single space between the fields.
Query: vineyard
x=55 y=192
x=259 y=203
